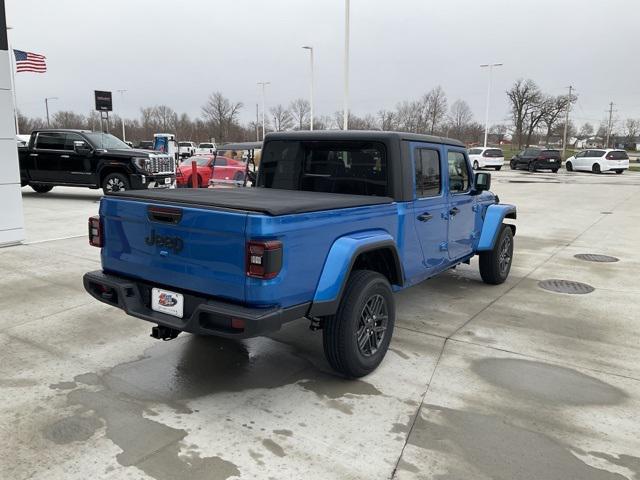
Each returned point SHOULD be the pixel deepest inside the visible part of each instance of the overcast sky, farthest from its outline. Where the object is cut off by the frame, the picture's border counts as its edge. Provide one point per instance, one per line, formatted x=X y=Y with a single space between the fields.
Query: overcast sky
x=176 y=53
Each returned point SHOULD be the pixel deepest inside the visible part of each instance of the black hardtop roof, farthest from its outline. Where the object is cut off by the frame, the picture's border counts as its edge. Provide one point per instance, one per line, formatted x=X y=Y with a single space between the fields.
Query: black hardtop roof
x=71 y=130
x=367 y=135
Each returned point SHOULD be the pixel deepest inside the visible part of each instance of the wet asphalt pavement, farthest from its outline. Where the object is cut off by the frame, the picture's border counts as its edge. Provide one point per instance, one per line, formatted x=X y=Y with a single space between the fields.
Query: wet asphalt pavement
x=482 y=382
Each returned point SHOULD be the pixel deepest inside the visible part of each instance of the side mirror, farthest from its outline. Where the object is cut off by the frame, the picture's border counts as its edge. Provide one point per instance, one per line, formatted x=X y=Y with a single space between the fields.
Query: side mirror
x=482 y=182
x=81 y=148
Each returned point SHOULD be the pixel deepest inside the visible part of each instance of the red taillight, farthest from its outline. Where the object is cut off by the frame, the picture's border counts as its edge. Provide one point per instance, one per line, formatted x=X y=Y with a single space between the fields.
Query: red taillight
x=264 y=259
x=95 y=231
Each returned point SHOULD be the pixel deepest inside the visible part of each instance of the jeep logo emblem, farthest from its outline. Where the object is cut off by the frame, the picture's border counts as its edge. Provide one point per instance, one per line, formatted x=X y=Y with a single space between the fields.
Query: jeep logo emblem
x=172 y=243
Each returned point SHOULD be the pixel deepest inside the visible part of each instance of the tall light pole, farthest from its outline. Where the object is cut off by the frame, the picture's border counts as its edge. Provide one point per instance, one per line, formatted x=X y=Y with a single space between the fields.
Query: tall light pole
x=345 y=120
x=12 y=60
x=46 y=106
x=122 y=92
x=264 y=85
x=566 y=125
x=311 y=84
x=486 y=115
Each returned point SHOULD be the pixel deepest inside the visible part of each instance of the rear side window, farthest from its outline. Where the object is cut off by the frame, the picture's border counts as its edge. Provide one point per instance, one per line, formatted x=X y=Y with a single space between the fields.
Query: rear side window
x=427 y=173
x=618 y=155
x=50 y=141
x=351 y=167
x=596 y=153
x=458 y=172
x=475 y=151
x=493 y=152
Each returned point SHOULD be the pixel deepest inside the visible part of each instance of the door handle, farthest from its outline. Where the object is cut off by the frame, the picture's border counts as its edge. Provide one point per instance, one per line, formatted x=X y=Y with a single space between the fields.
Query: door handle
x=454 y=211
x=33 y=154
x=64 y=156
x=425 y=217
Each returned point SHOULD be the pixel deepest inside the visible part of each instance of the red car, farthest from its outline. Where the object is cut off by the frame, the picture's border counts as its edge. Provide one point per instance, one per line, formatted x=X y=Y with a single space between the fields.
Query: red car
x=225 y=169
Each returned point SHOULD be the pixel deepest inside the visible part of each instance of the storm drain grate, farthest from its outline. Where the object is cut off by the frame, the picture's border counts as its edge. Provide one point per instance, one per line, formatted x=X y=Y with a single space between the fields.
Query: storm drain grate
x=566 y=286
x=606 y=213
x=594 y=257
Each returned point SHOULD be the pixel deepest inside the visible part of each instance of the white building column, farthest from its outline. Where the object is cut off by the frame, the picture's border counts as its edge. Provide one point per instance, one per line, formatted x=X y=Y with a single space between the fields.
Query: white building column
x=11 y=216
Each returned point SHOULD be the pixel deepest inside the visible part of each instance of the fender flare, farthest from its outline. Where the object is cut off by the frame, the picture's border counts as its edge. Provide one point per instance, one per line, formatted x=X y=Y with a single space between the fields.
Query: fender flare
x=493 y=218
x=339 y=263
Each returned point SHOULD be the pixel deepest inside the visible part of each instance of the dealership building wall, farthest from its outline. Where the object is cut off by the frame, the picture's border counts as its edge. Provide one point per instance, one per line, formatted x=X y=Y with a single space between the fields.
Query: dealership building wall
x=11 y=217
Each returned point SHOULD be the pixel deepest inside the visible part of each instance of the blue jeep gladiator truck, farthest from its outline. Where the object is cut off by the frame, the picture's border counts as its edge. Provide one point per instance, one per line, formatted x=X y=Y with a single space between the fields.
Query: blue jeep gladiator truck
x=334 y=224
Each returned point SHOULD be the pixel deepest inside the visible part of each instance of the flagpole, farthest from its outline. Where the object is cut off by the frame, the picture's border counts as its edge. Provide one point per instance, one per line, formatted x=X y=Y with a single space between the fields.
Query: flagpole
x=12 y=58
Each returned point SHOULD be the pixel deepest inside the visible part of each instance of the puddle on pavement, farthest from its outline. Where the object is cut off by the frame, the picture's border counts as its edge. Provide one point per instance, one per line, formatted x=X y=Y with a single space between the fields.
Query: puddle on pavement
x=546 y=382
x=498 y=449
x=122 y=399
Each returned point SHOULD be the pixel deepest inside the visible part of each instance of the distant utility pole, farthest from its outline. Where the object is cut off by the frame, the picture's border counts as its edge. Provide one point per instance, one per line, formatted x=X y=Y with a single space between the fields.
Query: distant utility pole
x=306 y=47
x=122 y=92
x=46 y=106
x=345 y=113
x=486 y=115
x=610 y=124
x=264 y=85
x=257 y=127
x=566 y=123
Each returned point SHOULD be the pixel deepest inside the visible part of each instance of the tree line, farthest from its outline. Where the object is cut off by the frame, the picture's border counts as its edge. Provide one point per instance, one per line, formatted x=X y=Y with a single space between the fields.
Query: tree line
x=534 y=118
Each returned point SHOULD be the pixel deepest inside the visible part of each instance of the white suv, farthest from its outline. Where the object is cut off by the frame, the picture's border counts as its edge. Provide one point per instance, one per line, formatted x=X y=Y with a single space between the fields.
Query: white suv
x=482 y=157
x=206 y=149
x=599 y=160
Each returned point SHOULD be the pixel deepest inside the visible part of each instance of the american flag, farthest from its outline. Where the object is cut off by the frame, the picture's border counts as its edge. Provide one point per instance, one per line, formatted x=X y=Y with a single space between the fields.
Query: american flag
x=29 y=62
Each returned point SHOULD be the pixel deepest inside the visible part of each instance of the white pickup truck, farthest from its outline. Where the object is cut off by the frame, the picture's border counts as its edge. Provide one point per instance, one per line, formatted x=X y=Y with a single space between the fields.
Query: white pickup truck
x=186 y=149
x=206 y=148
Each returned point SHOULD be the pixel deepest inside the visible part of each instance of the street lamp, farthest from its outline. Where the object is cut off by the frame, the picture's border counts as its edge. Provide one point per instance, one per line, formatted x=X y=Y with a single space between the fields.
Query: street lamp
x=264 y=85
x=486 y=116
x=345 y=120
x=122 y=92
x=311 y=82
x=46 y=106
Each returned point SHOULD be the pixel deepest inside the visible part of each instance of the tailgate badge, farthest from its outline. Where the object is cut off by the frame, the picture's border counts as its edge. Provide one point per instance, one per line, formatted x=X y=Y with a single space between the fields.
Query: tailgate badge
x=173 y=243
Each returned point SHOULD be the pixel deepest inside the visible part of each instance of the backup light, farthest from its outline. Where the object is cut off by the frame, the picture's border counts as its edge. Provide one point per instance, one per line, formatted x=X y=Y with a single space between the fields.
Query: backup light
x=264 y=259
x=95 y=231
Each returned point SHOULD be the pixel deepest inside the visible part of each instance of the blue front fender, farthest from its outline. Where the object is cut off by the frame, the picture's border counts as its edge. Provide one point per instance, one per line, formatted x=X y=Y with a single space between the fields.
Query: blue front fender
x=337 y=266
x=493 y=219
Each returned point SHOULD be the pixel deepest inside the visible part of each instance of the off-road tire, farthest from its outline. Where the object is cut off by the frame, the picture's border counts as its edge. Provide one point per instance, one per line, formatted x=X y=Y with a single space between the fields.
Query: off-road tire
x=493 y=270
x=115 y=182
x=40 y=188
x=340 y=330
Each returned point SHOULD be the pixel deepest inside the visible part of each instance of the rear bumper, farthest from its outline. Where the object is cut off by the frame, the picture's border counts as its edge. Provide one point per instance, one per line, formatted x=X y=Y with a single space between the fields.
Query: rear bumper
x=491 y=162
x=202 y=315
x=614 y=165
x=547 y=164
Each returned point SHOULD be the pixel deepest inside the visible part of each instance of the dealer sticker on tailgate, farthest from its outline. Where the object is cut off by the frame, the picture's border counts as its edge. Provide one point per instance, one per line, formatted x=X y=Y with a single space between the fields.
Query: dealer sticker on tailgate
x=167 y=302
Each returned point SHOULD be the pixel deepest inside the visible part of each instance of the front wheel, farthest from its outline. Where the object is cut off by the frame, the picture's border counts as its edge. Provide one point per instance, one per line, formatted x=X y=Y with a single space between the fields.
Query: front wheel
x=512 y=164
x=532 y=167
x=569 y=167
x=115 y=182
x=496 y=263
x=357 y=337
x=596 y=168
x=40 y=188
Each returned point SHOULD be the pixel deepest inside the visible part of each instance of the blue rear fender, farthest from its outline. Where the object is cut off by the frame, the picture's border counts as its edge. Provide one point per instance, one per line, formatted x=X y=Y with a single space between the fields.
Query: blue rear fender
x=493 y=218
x=340 y=261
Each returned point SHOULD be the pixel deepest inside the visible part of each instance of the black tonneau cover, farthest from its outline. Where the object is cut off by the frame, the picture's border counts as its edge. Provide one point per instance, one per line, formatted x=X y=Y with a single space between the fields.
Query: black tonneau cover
x=269 y=201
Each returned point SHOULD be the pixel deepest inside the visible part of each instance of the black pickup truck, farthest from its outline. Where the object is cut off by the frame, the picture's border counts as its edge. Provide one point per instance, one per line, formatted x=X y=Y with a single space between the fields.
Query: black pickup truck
x=82 y=158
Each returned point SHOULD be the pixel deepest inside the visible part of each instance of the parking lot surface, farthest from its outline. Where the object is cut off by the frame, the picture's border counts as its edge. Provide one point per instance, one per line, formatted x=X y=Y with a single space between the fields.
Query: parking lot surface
x=510 y=382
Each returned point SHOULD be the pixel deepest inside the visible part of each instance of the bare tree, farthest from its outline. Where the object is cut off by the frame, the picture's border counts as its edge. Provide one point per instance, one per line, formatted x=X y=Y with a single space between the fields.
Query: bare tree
x=68 y=119
x=387 y=120
x=222 y=115
x=585 y=131
x=631 y=128
x=460 y=117
x=300 y=110
x=435 y=108
x=498 y=131
x=525 y=98
x=281 y=117
x=409 y=116
x=553 y=112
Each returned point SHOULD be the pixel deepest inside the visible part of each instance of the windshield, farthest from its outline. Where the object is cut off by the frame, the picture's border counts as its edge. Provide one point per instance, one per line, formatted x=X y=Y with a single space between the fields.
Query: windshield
x=106 y=141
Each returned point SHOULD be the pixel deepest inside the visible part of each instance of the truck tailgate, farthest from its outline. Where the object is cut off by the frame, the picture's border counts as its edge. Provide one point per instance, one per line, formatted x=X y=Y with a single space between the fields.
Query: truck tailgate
x=197 y=249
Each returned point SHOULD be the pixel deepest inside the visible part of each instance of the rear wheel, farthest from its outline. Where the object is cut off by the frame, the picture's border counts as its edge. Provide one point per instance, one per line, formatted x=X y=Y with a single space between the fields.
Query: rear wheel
x=555 y=170
x=496 y=264
x=569 y=167
x=596 y=168
x=476 y=165
x=512 y=164
x=498 y=168
x=40 y=188
x=619 y=171
x=357 y=337
x=532 y=166
x=115 y=182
